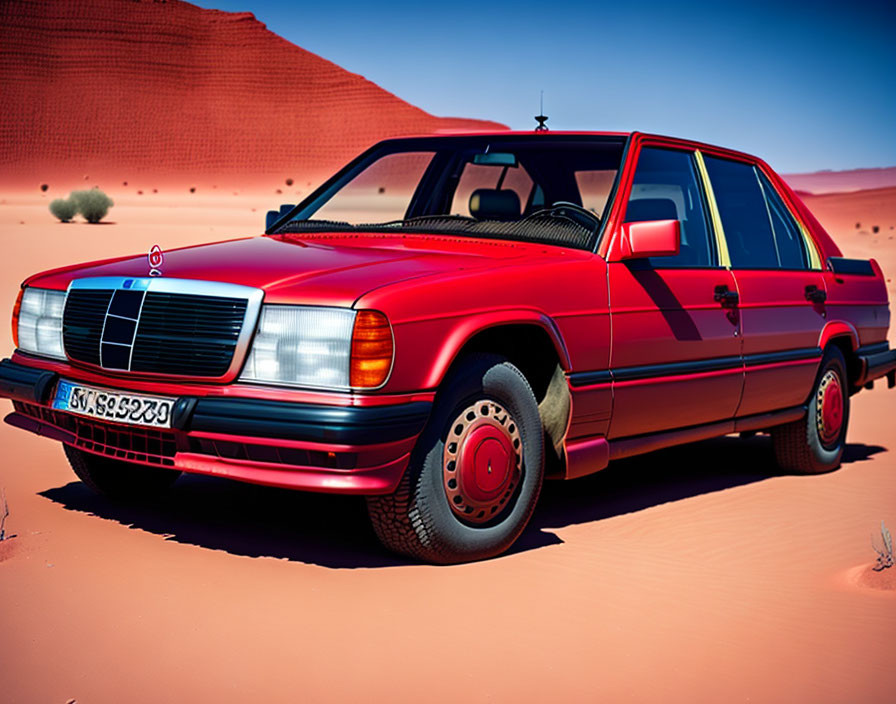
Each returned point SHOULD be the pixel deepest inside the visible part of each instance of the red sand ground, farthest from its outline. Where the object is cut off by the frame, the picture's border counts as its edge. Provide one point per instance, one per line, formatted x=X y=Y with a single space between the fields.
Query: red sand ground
x=127 y=89
x=692 y=575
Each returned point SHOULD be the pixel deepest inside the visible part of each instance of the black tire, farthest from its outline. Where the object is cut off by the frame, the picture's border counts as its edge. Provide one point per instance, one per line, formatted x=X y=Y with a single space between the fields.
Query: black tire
x=419 y=520
x=118 y=479
x=807 y=446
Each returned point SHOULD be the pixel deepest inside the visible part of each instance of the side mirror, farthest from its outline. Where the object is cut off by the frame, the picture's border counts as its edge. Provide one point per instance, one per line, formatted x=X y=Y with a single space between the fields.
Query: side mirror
x=655 y=238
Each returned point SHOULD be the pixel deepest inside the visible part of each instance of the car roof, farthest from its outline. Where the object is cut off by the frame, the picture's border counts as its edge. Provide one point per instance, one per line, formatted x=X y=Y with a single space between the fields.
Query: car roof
x=640 y=136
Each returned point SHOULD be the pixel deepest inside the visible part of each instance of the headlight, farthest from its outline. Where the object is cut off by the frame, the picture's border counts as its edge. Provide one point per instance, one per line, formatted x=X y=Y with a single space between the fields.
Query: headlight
x=302 y=346
x=40 y=322
x=332 y=348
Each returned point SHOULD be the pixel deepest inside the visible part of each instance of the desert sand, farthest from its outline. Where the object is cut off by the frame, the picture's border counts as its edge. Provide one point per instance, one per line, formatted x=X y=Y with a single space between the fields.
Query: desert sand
x=697 y=574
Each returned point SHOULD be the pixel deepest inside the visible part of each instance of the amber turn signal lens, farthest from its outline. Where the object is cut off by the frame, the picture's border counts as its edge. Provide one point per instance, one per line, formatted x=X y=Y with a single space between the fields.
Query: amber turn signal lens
x=372 y=349
x=16 y=309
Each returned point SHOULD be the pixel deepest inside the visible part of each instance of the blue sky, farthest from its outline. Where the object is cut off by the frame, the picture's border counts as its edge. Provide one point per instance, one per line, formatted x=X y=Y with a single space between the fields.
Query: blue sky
x=806 y=86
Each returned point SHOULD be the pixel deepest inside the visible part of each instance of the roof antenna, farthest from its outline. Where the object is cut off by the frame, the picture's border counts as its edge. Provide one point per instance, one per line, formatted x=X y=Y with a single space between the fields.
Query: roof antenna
x=542 y=118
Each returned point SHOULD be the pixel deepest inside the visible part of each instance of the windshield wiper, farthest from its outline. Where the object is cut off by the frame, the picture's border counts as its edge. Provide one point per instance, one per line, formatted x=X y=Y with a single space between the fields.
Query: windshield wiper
x=315 y=226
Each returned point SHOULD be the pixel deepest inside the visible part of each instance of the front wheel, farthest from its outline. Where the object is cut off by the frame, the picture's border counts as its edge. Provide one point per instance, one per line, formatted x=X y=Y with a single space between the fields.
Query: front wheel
x=815 y=444
x=476 y=472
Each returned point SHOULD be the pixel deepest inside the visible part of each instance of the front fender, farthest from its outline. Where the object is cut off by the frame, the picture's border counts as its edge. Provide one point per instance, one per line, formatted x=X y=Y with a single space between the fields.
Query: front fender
x=466 y=328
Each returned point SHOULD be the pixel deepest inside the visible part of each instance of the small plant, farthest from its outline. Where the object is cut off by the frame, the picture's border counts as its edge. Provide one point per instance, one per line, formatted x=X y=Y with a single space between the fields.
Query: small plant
x=64 y=209
x=884 y=554
x=4 y=516
x=92 y=204
x=289 y=182
x=875 y=229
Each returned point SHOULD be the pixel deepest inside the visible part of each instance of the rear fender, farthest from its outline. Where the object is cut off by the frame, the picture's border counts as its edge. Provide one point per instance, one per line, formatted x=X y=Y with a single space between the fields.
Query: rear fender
x=838 y=328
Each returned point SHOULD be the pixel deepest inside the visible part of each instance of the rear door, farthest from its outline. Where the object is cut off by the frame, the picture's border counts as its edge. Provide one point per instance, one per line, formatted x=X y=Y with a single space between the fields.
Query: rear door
x=781 y=294
x=675 y=351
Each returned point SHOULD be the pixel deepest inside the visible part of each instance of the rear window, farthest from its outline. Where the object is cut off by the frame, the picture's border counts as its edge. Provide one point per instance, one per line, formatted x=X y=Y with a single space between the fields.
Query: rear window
x=788 y=237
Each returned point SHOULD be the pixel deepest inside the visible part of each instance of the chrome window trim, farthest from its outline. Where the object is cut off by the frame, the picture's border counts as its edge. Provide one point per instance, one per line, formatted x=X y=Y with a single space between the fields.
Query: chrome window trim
x=197 y=287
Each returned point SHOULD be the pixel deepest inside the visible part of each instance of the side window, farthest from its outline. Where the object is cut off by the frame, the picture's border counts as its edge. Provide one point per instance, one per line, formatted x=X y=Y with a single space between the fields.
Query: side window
x=788 y=238
x=665 y=188
x=745 y=219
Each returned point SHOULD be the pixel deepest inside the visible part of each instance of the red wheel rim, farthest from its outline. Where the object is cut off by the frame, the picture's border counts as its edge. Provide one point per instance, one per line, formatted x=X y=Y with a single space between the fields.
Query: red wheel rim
x=829 y=408
x=482 y=462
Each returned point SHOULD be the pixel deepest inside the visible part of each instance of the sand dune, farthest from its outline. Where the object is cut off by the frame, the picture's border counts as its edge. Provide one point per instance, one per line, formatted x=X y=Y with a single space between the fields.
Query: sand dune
x=118 y=89
x=819 y=182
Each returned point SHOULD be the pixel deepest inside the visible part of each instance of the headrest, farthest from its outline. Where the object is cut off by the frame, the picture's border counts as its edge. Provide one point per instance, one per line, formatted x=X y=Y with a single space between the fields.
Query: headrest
x=493 y=204
x=643 y=209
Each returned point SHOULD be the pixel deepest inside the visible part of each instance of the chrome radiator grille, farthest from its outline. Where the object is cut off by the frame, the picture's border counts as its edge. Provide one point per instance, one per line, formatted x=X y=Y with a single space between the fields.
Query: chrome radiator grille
x=159 y=326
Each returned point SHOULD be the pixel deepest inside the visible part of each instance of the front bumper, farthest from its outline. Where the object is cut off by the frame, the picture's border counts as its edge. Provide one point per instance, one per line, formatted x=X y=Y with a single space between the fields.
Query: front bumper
x=316 y=447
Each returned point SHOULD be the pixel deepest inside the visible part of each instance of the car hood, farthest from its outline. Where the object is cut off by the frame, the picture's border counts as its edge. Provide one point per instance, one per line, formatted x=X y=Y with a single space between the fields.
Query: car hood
x=333 y=268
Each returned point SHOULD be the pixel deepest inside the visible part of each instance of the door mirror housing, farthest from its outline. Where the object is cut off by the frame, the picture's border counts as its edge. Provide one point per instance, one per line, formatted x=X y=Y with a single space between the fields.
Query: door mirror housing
x=654 y=238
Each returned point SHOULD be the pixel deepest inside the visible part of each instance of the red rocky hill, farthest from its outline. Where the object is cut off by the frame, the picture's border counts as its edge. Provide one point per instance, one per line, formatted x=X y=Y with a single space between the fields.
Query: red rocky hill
x=118 y=87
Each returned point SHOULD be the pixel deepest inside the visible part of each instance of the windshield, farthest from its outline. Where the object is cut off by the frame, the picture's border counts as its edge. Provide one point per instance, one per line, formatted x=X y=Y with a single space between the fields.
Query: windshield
x=547 y=188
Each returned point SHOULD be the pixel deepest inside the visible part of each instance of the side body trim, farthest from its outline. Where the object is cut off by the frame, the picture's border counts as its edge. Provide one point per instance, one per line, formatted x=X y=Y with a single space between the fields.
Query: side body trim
x=593 y=378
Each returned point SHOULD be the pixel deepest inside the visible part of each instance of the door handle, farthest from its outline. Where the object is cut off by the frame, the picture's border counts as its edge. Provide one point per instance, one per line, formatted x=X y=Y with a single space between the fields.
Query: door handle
x=815 y=294
x=726 y=297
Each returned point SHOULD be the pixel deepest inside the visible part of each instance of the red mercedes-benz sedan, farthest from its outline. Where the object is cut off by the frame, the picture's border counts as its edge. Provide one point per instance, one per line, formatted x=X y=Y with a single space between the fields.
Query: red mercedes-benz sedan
x=449 y=320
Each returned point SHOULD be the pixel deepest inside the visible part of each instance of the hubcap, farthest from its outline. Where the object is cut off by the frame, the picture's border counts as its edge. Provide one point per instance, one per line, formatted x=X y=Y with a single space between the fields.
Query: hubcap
x=482 y=462
x=829 y=408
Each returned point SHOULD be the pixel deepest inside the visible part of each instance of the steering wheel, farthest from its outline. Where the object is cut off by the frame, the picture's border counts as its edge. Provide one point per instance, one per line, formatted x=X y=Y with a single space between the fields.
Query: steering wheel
x=570 y=211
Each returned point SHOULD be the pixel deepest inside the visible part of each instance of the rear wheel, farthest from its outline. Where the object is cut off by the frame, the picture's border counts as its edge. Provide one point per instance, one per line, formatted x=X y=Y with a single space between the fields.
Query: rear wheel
x=815 y=444
x=118 y=479
x=475 y=474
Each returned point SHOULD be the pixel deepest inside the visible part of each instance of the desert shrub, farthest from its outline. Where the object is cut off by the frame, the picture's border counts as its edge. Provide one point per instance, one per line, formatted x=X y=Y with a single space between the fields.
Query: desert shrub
x=875 y=229
x=64 y=209
x=5 y=515
x=289 y=182
x=885 y=556
x=92 y=204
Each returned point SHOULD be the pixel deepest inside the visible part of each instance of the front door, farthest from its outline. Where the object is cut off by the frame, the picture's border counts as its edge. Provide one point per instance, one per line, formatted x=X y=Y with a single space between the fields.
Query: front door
x=676 y=351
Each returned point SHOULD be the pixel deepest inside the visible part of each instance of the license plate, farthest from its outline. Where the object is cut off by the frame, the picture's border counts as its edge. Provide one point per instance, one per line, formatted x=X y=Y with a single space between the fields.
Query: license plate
x=134 y=409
